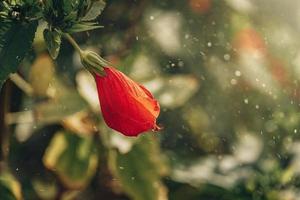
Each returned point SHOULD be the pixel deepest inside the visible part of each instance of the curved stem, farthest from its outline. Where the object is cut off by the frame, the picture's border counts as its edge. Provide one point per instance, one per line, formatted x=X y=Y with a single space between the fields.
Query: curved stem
x=73 y=42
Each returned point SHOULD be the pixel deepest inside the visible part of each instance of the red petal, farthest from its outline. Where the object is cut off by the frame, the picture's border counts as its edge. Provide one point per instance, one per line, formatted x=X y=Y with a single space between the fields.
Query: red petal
x=126 y=106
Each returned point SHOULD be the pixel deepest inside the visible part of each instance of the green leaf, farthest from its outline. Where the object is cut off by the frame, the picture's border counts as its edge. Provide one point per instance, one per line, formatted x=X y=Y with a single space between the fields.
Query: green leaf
x=53 y=41
x=95 y=10
x=73 y=158
x=15 y=41
x=83 y=26
x=10 y=188
x=139 y=171
x=66 y=102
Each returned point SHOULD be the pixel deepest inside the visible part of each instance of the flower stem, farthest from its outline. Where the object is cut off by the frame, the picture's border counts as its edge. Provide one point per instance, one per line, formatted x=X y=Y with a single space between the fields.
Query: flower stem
x=73 y=42
x=21 y=83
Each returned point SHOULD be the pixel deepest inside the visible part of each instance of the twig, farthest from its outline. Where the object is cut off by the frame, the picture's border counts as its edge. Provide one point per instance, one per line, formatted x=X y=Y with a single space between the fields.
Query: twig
x=22 y=84
x=73 y=43
x=20 y=117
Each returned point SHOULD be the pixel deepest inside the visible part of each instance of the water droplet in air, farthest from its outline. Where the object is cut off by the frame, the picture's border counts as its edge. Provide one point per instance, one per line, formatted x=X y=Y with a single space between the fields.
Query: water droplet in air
x=227 y=57
x=233 y=81
x=180 y=63
x=238 y=73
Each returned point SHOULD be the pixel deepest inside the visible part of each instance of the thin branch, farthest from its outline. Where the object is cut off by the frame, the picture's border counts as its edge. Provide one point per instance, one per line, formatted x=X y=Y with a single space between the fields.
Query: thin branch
x=20 y=117
x=73 y=43
x=22 y=84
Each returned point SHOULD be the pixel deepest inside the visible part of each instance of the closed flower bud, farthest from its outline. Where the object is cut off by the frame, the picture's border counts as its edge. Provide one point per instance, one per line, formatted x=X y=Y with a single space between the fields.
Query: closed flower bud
x=126 y=106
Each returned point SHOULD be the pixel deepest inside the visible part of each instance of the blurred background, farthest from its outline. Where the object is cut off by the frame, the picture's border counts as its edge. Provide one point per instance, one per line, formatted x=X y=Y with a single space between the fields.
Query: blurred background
x=226 y=76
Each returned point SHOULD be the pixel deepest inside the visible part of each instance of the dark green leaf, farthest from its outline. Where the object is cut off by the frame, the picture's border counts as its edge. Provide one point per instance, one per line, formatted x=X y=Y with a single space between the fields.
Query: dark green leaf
x=53 y=41
x=83 y=26
x=139 y=171
x=15 y=41
x=95 y=10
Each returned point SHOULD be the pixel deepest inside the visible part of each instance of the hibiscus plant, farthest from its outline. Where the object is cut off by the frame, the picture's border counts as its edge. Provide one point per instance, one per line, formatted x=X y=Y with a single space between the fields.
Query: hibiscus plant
x=127 y=107
x=149 y=99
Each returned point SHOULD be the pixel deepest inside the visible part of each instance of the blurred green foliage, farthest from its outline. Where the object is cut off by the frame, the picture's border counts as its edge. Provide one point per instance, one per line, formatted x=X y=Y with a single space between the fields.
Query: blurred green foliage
x=226 y=74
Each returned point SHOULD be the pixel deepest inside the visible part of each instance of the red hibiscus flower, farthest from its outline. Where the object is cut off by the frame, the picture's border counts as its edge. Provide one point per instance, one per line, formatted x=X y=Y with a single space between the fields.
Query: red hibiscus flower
x=126 y=106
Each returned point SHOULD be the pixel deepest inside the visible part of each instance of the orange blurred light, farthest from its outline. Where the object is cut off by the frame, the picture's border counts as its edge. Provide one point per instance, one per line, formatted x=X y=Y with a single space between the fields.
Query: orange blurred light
x=250 y=40
x=200 y=6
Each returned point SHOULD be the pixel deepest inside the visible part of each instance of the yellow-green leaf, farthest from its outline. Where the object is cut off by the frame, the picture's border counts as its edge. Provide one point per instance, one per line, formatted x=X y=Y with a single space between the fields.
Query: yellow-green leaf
x=73 y=158
x=10 y=188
